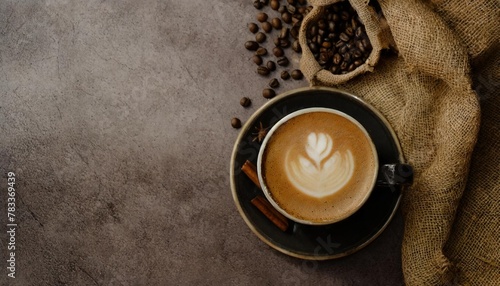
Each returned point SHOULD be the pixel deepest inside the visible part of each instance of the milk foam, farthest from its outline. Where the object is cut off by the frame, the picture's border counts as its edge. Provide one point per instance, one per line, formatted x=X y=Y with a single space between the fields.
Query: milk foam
x=324 y=171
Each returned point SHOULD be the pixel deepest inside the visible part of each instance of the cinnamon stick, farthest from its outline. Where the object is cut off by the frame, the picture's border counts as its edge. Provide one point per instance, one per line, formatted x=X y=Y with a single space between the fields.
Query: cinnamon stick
x=251 y=171
x=270 y=212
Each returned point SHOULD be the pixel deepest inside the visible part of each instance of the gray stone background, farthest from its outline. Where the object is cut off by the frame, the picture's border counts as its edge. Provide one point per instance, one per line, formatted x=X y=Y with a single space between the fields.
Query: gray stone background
x=115 y=117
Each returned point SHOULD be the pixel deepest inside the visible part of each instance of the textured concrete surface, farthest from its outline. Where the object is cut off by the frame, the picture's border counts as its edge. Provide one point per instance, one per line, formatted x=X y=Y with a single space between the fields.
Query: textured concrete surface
x=115 y=118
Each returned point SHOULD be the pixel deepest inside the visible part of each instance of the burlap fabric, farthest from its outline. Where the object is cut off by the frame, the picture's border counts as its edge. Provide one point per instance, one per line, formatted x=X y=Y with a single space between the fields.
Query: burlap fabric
x=445 y=48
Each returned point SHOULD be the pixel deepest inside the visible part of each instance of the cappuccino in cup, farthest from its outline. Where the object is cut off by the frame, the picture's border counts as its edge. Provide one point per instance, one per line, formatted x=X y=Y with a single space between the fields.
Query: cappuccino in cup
x=317 y=166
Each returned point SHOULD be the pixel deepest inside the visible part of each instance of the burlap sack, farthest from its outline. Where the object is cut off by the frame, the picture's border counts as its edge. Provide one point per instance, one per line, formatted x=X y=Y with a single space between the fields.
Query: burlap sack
x=379 y=38
x=425 y=92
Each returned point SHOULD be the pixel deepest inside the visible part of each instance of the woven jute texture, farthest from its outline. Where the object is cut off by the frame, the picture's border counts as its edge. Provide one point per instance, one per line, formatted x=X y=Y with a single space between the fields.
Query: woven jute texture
x=447 y=51
x=379 y=38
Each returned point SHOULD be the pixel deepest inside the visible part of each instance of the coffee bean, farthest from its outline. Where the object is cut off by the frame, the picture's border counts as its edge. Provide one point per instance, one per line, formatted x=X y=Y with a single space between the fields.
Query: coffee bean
x=283 y=61
x=322 y=24
x=337 y=58
x=296 y=46
x=343 y=66
x=326 y=45
x=257 y=60
x=301 y=10
x=294 y=32
x=264 y=2
x=266 y=26
x=343 y=49
x=344 y=37
x=236 y=123
x=275 y=4
x=357 y=54
x=278 y=52
x=286 y=17
x=360 y=47
x=291 y=2
x=253 y=28
x=257 y=4
x=313 y=31
x=358 y=63
x=313 y=47
x=366 y=44
x=262 y=71
x=354 y=23
x=351 y=67
x=268 y=93
x=276 y=23
x=245 y=102
x=274 y=83
x=261 y=51
x=284 y=33
x=349 y=31
x=260 y=37
x=291 y=9
x=297 y=74
x=285 y=75
x=302 y=2
x=251 y=45
x=276 y=41
x=297 y=19
x=284 y=43
x=323 y=57
x=345 y=16
x=282 y=9
x=271 y=65
x=262 y=17
x=335 y=69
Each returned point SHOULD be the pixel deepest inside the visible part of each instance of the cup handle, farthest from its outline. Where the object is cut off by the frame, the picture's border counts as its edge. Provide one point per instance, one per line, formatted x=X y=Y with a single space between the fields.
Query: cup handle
x=395 y=175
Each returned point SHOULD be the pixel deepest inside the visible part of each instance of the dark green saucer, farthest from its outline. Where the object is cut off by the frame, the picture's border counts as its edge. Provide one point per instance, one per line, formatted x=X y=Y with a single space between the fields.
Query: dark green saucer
x=327 y=241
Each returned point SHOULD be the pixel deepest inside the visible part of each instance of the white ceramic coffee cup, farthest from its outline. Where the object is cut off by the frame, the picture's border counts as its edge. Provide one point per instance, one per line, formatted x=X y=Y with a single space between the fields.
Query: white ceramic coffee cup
x=348 y=212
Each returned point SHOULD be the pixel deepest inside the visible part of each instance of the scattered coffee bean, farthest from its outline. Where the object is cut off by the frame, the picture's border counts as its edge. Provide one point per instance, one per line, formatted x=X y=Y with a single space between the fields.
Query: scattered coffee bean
x=263 y=71
x=264 y=2
x=274 y=83
x=283 y=61
x=278 y=52
x=338 y=39
x=266 y=26
x=271 y=66
x=296 y=46
x=262 y=17
x=275 y=4
x=294 y=32
x=251 y=45
x=282 y=9
x=245 y=102
x=276 y=23
x=286 y=17
x=257 y=60
x=268 y=92
x=285 y=75
x=260 y=37
x=291 y=9
x=291 y=2
x=284 y=33
x=236 y=123
x=276 y=41
x=261 y=51
x=297 y=75
x=257 y=4
x=253 y=28
x=284 y=43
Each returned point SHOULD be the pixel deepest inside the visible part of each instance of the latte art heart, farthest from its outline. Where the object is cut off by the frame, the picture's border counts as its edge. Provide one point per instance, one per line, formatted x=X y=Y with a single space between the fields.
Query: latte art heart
x=324 y=171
